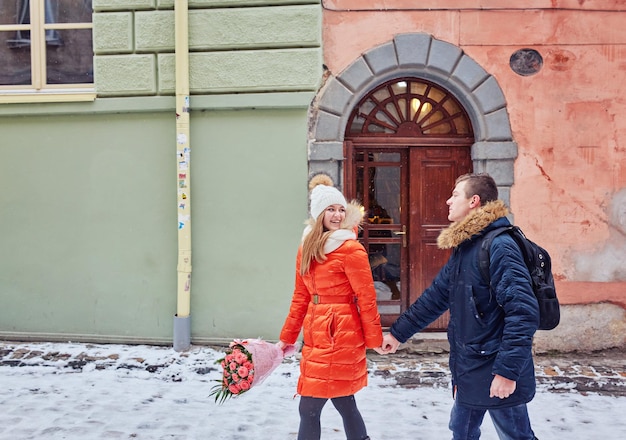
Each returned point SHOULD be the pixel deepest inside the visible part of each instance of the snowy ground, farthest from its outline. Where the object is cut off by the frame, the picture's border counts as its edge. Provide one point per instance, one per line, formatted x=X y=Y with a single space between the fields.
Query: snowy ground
x=80 y=391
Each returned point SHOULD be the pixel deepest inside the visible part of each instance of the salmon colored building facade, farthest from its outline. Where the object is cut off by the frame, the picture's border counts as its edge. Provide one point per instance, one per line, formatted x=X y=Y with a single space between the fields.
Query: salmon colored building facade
x=542 y=83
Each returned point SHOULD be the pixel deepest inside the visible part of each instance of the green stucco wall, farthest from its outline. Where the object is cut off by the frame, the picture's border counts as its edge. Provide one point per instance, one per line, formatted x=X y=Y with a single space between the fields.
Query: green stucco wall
x=86 y=225
x=250 y=203
x=89 y=190
x=89 y=224
x=235 y=47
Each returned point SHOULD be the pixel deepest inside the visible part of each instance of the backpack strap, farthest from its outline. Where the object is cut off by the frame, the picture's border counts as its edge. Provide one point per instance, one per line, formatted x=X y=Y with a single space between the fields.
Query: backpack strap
x=485 y=250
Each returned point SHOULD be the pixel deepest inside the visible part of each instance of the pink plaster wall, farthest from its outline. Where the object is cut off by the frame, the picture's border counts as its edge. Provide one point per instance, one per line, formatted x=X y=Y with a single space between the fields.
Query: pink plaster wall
x=568 y=120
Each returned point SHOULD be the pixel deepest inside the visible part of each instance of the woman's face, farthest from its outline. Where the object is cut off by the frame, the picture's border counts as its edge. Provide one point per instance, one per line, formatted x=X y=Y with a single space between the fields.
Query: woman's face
x=333 y=216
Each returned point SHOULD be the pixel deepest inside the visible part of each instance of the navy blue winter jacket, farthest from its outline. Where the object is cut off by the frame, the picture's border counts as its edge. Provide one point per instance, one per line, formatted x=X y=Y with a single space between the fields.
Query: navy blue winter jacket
x=490 y=330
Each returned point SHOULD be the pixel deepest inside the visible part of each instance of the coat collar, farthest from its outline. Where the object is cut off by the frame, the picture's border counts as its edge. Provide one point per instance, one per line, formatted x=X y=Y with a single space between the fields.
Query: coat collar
x=472 y=224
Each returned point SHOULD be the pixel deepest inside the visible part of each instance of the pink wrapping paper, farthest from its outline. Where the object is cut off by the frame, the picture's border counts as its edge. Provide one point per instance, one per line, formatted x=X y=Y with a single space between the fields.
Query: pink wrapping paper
x=266 y=357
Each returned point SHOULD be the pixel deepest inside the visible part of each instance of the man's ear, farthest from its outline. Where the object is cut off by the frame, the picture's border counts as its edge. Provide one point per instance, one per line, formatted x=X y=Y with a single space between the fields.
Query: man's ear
x=475 y=201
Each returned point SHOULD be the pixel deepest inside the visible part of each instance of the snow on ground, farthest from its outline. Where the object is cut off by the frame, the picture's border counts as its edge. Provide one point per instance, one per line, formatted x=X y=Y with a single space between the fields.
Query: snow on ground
x=144 y=392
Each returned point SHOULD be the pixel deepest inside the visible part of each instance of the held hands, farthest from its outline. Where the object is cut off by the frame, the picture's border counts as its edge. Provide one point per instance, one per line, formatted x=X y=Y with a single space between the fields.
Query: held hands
x=390 y=345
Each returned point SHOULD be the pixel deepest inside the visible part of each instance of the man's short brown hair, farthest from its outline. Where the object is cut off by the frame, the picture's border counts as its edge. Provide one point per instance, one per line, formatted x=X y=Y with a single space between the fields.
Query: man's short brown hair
x=481 y=185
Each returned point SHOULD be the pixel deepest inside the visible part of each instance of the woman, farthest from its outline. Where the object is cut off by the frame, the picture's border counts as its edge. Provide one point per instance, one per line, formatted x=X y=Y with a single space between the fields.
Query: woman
x=334 y=300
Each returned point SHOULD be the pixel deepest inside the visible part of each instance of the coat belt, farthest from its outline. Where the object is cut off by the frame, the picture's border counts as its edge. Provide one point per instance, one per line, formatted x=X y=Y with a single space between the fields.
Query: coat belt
x=332 y=299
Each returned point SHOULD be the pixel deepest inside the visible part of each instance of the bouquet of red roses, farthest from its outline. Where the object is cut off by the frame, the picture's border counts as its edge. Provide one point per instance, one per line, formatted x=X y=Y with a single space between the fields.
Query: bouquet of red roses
x=247 y=363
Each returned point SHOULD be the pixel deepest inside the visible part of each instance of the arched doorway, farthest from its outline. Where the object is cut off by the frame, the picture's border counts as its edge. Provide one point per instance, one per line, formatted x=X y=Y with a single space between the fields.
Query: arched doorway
x=432 y=152
x=405 y=142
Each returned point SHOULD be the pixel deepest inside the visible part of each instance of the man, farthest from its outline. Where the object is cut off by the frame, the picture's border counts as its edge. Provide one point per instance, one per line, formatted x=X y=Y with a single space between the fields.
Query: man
x=491 y=329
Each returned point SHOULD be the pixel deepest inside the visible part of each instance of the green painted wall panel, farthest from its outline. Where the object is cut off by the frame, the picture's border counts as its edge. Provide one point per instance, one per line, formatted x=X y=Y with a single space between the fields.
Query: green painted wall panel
x=248 y=227
x=88 y=233
x=89 y=238
x=88 y=206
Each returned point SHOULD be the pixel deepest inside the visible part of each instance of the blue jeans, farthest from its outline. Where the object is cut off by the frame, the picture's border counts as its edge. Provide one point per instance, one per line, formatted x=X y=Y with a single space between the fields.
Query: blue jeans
x=511 y=423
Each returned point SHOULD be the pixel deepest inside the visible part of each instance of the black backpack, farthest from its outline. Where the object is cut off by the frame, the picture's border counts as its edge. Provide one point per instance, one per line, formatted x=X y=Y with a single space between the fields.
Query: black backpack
x=539 y=265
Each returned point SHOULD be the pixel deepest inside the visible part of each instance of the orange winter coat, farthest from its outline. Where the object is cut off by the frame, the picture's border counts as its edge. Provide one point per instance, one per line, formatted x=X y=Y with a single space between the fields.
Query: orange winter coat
x=338 y=329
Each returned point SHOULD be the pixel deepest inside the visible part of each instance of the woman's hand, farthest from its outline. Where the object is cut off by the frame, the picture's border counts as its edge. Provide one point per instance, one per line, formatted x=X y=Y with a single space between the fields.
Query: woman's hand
x=390 y=344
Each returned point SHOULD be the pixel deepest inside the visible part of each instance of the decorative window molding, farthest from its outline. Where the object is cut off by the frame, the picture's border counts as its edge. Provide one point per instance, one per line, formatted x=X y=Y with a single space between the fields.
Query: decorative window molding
x=416 y=55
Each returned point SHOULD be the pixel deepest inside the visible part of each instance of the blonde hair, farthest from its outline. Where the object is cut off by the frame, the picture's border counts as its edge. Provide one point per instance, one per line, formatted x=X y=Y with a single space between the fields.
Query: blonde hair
x=313 y=244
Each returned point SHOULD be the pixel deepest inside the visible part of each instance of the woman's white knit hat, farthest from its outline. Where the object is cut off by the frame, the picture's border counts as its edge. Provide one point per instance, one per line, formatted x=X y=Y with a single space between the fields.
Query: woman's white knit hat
x=324 y=194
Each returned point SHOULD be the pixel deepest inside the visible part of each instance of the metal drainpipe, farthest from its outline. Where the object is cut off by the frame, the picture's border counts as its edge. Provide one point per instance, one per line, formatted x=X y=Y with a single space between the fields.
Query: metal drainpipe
x=182 y=319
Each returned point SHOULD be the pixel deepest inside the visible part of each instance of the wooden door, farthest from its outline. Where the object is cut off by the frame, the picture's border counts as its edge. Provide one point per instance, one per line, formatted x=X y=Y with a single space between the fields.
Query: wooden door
x=406 y=142
x=403 y=190
x=433 y=171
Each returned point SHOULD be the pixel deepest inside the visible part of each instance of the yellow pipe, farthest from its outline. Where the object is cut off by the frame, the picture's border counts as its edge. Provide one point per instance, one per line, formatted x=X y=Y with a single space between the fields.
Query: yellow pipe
x=183 y=153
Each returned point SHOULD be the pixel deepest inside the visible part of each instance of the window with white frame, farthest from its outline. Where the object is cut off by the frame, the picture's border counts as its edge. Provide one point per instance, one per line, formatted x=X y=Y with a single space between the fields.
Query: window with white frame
x=46 y=50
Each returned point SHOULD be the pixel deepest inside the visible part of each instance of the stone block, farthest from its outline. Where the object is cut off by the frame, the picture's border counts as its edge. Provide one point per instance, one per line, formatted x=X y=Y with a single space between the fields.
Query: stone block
x=412 y=49
x=332 y=168
x=494 y=150
x=502 y=171
x=497 y=126
x=125 y=75
x=233 y=28
x=356 y=75
x=262 y=27
x=381 y=58
x=113 y=32
x=489 y=96
x=167 y=73
x=335 y=97
x=469 y=73
x=246 y=71
x=504 y=194
x=123 y=5
x=235 y=3
x=155 y=31
x=443 y=56
x=328 y=127
x=326 y=151
x=588 y=327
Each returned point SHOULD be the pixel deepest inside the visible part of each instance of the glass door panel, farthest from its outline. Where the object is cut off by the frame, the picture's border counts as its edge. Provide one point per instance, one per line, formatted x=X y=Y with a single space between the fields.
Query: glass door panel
x=379 y=177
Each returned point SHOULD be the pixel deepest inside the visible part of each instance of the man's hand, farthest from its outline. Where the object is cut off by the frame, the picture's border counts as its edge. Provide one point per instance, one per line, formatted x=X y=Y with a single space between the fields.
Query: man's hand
x=389 y=345
x=502 y=387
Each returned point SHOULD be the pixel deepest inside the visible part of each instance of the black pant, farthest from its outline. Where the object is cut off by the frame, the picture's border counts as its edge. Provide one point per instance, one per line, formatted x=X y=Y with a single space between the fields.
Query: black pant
x=311 y=410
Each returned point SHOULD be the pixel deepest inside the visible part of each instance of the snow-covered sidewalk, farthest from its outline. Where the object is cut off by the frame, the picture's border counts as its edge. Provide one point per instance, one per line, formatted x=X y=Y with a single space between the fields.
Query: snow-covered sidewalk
x=84 y=391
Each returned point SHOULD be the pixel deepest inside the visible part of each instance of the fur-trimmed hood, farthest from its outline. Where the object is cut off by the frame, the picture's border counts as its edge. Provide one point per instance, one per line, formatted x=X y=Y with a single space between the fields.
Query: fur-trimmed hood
x=475 y=222
x=354 y=216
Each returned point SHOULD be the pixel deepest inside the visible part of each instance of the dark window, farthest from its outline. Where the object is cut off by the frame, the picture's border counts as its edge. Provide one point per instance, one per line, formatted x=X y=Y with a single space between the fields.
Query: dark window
x=45 y=45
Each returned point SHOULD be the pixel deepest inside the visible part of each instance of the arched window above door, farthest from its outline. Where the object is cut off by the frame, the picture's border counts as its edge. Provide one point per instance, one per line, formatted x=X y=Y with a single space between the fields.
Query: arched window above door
x=409 y=107
x=415 y=55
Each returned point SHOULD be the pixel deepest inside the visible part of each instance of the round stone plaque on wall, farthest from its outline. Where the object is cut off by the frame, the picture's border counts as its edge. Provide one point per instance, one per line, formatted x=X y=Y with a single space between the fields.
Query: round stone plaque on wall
x=526 y=62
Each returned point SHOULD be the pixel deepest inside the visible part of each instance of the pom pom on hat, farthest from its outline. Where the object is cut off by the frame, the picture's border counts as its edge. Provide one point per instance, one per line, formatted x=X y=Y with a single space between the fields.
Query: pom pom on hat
x=324 y=194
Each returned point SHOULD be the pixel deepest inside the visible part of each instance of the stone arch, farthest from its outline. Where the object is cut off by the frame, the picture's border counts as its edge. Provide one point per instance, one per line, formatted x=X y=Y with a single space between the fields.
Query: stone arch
x=422 y=56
